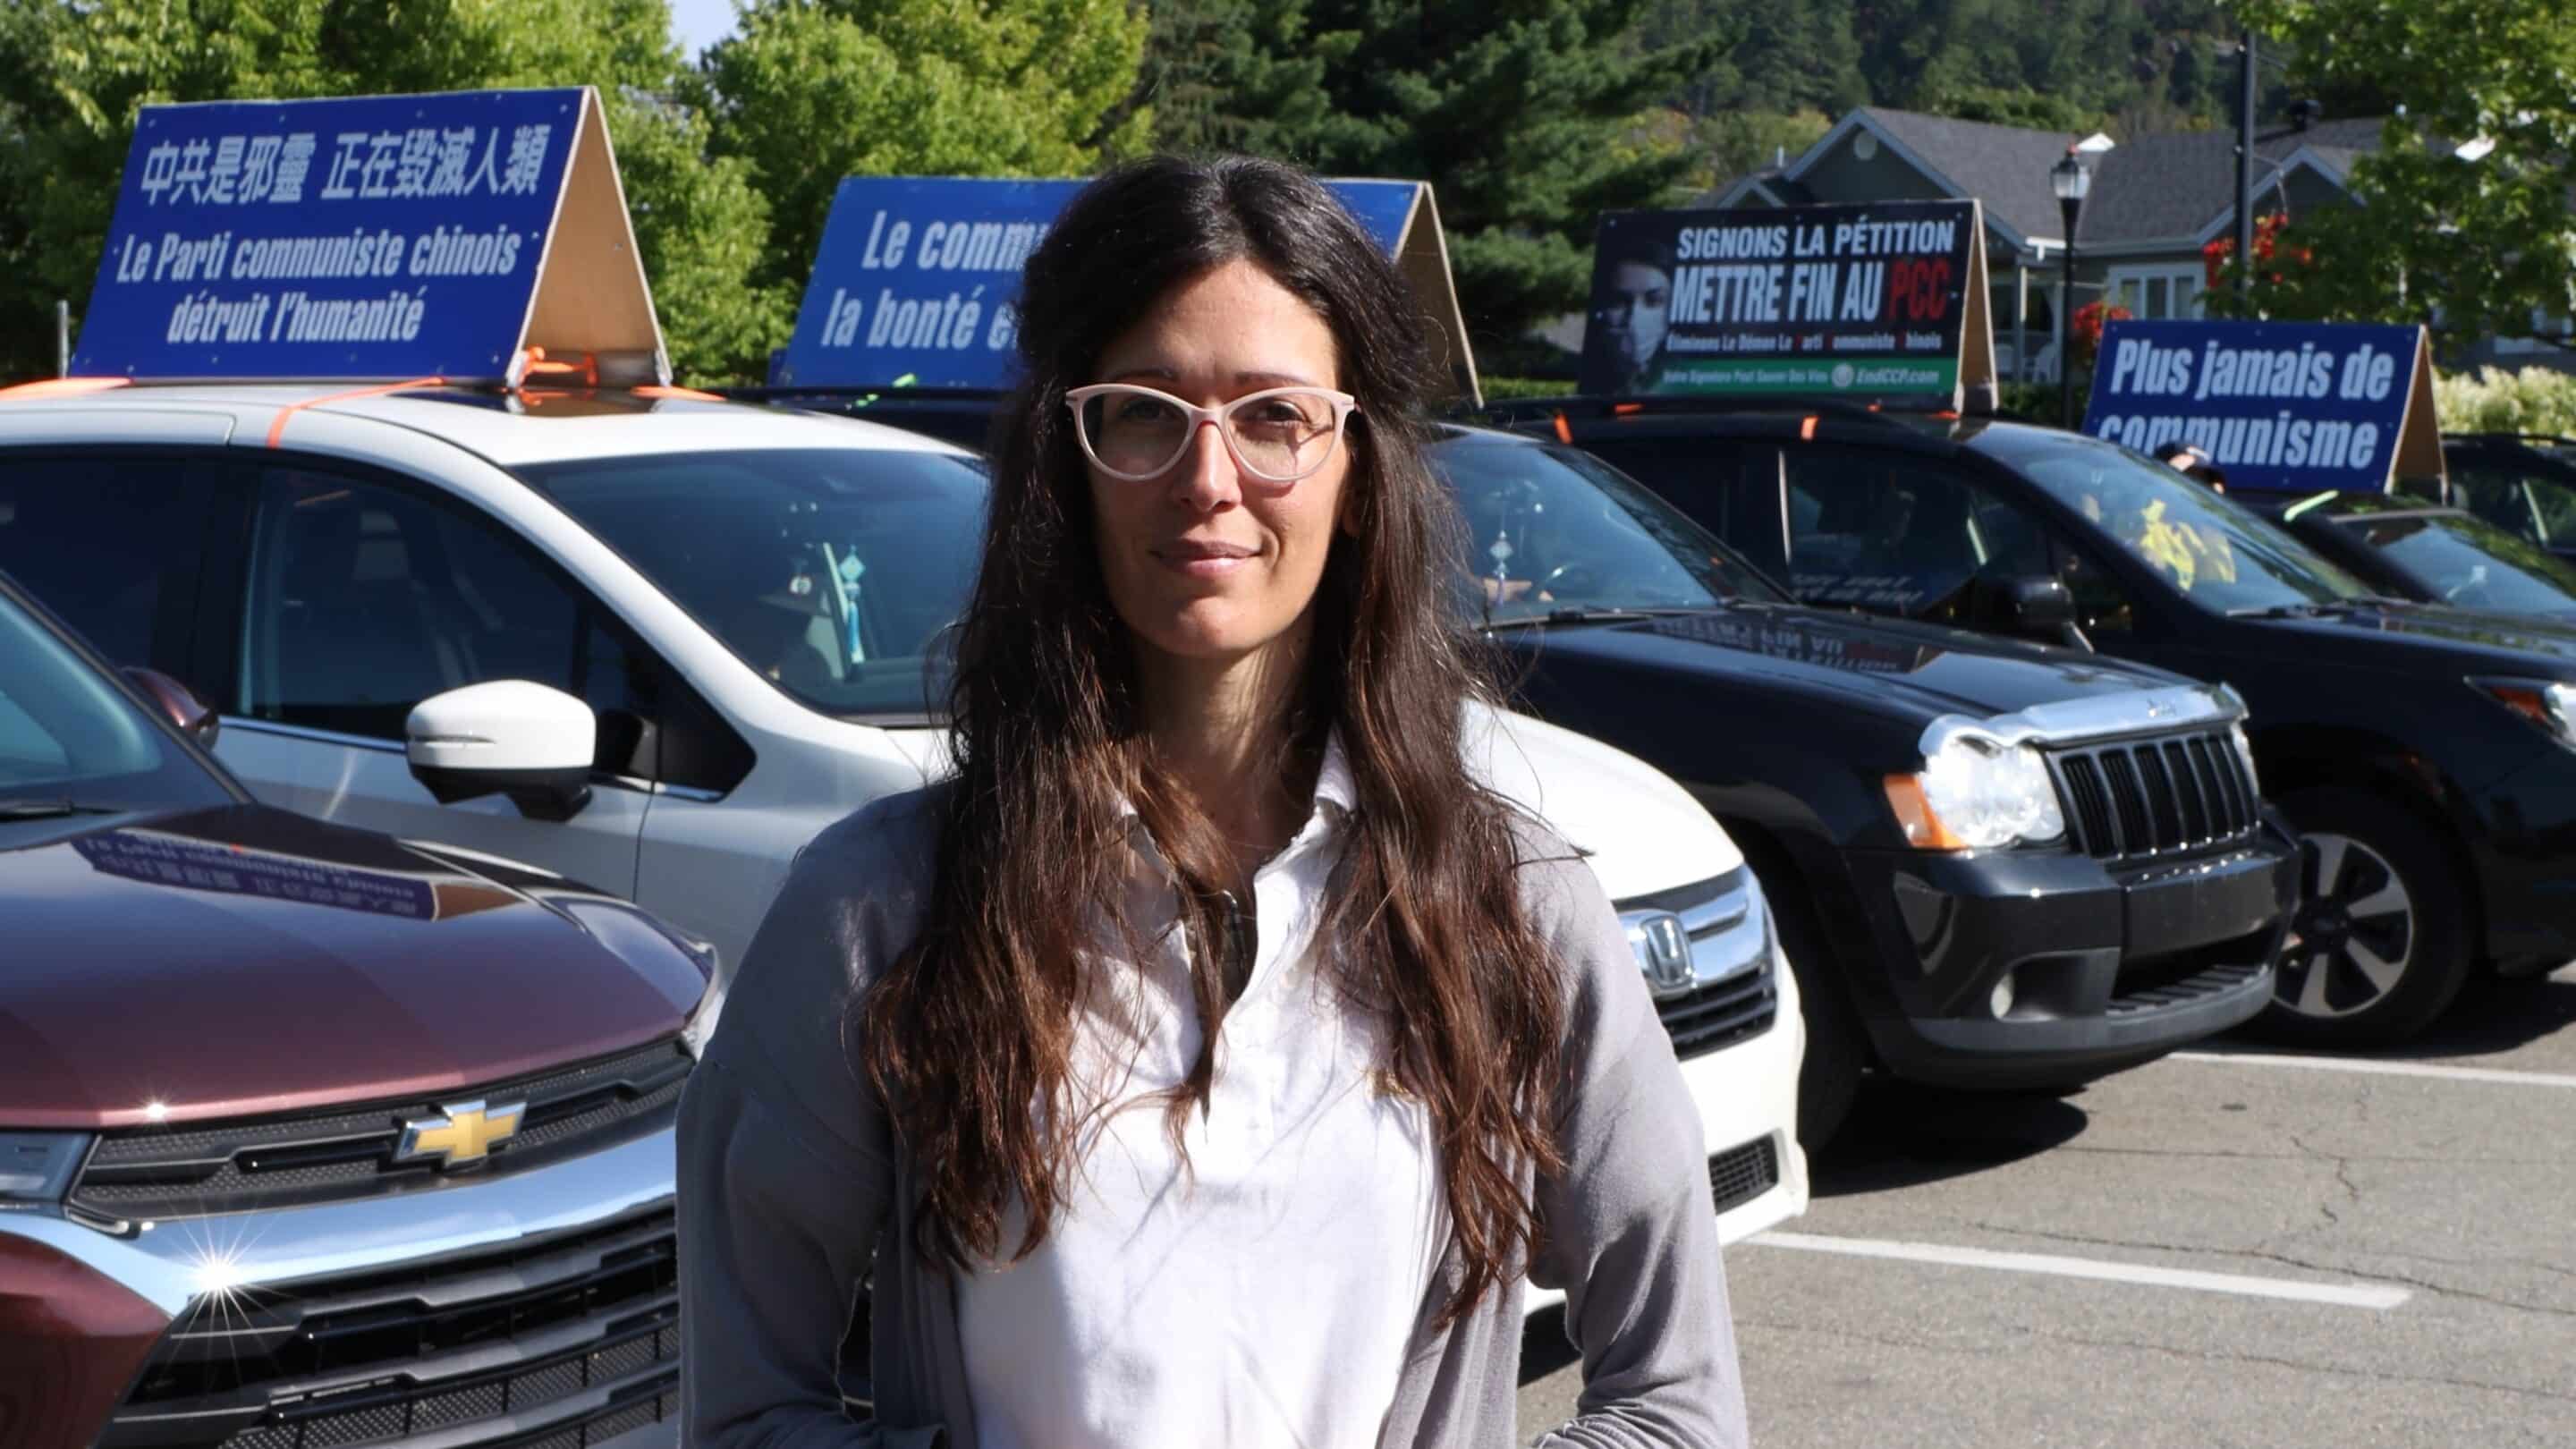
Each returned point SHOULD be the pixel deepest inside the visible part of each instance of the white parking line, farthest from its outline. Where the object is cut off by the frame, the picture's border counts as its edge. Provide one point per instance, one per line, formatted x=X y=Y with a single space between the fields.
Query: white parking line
x=2382 y=1069
x=2341 y=1295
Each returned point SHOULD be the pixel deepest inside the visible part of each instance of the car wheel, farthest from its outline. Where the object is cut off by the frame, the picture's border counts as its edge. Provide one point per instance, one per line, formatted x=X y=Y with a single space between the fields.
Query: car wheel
x=1829 y=1072
x=2380 y=942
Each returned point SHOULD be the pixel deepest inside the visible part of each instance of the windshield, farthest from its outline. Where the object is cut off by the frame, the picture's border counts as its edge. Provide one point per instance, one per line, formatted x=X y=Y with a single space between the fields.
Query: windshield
x=1550 y=529
x=831 y=571
x=2220 y=556
x=68 y=738
x=2470 y=562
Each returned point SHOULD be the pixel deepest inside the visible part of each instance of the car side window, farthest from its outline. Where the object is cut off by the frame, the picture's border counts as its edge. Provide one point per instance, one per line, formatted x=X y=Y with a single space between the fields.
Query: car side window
x=365 y=599
x=1896 y=532
x=112 y=544
x=1725 y=486
x=2555 y=502
x=2495 y=493
x=2102 y=605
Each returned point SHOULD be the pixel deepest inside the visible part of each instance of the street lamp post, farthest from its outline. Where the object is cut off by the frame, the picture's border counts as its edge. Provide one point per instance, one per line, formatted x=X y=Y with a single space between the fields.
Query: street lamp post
x=2070 y=179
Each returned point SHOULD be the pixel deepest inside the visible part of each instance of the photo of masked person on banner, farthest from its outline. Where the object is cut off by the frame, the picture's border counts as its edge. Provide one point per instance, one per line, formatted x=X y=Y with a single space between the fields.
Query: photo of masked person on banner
x=1623 y=338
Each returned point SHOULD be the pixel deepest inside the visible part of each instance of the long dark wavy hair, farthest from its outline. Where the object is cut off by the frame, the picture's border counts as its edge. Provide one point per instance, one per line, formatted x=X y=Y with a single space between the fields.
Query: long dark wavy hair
x=974 y=1026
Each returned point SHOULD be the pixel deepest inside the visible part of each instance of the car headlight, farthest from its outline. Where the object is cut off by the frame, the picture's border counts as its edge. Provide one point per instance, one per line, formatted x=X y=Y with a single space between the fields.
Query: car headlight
x=1974 y=793
x=2548 y=704
x=37 y=1167
x=702 y=1022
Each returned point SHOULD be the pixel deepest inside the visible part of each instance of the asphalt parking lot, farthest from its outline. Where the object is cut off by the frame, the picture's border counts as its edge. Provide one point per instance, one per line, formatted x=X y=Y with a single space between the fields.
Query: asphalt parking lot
x=2230 y=1247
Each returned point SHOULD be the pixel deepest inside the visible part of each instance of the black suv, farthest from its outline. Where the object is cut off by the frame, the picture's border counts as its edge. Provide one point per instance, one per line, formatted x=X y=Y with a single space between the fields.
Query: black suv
x=2522 y=483
x=1993 y=863
x=2427 y=755
x=2426 y=552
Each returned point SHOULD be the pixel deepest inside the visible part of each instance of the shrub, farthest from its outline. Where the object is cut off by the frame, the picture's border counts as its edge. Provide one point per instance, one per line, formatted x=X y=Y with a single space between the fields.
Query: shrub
x=2533 y=400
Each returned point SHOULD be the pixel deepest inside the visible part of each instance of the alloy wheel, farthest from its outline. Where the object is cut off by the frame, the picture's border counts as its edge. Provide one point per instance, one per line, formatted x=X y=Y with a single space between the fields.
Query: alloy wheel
x=2355 y=932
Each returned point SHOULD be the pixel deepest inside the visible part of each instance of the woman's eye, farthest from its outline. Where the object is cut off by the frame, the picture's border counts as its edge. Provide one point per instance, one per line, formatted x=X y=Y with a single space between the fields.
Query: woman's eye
x=1275 y=412
x=1143 y=410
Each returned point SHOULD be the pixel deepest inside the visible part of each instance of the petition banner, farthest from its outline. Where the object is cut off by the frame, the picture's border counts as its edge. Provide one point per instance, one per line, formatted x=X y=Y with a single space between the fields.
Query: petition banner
x=365 y=237
x=2304 y=405
x=1878 y=302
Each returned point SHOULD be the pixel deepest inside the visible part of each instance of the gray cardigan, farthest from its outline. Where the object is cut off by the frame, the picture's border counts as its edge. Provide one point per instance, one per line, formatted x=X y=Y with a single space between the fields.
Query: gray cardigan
x=792 y=1186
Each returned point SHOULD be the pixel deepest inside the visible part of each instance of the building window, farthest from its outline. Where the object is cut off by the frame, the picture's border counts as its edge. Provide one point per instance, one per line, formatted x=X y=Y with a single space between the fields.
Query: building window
x=2162 y=291
x=2543 y=324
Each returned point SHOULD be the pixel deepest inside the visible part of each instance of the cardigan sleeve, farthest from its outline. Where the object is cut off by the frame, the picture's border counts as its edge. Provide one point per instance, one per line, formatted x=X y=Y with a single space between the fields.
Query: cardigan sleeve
x=1628 y=1228
x=786 y=1163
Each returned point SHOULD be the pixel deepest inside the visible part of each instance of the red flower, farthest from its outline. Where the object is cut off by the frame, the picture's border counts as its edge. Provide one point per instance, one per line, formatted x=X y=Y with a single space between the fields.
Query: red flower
x=2087 y=323
x=2267 y=247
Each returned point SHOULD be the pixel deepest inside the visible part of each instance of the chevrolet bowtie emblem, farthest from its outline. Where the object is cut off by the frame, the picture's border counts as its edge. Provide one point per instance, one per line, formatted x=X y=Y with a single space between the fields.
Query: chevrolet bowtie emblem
x=466 y=1134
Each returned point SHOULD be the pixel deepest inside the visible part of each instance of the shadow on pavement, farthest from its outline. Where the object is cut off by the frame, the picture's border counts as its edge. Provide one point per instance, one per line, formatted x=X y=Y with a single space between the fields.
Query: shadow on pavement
x=2492 y=1015
x=1902 y=1135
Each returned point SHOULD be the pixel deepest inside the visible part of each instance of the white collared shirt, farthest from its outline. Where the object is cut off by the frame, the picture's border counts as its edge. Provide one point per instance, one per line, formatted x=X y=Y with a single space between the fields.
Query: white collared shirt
x=1263 y=1294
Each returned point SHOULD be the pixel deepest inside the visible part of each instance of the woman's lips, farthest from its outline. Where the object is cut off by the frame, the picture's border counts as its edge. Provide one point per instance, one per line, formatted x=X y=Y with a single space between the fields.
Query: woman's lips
x=1203 y=558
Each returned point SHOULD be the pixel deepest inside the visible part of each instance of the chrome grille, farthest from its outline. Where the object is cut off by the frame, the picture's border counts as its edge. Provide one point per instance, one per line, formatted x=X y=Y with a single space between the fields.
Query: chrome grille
x=569 y=1340
x=1733 y=996
x=165 y=1173
x=2155 y=796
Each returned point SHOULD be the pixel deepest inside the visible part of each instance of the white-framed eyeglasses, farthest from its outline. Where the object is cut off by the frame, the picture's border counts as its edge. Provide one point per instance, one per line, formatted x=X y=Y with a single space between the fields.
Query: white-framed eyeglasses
x=1277 y=435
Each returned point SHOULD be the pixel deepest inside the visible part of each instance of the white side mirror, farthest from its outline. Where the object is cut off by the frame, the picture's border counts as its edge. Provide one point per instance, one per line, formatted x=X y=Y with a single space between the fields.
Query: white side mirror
x=509 y=737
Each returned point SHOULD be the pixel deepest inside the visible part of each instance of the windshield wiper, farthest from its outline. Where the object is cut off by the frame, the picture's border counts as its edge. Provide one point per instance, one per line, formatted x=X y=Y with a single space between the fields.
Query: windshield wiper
x=1589 y=614
x=51 y=809
x=2310 y=609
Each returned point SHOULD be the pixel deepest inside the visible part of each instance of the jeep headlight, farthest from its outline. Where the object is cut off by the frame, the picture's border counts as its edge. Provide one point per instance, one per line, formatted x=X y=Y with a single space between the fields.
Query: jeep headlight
x=1975 y=793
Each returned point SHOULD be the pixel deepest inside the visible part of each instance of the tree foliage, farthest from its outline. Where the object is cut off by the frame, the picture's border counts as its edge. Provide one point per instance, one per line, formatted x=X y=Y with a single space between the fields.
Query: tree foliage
x=811 y=91
x=76 y=73
x=2464 y=207
x=2070 y=65
x=1515 y=110
x=1231 y=75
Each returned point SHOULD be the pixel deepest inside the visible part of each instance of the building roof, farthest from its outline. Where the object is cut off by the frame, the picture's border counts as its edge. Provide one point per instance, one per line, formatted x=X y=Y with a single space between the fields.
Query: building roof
x=2170 y=187
x=2161 y=188
x=2007 y=166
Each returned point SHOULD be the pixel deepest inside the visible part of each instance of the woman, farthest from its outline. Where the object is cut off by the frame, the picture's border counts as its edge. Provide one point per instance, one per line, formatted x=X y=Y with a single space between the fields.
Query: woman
x=1208 y=1059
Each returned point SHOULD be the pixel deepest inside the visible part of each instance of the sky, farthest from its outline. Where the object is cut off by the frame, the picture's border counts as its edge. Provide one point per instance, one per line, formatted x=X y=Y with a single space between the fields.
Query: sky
x=700 y=23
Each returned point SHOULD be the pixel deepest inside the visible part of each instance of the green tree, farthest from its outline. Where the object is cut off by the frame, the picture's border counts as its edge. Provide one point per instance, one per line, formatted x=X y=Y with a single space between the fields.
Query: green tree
x=1226 y=75
x=811 y=91
x=77 y=71
x=2464 y=206
x=1775 y=58
x=1520 y=114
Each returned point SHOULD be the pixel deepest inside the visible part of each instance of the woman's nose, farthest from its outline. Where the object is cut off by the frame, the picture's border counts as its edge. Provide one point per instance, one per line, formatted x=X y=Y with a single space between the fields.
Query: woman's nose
x=1206 y=473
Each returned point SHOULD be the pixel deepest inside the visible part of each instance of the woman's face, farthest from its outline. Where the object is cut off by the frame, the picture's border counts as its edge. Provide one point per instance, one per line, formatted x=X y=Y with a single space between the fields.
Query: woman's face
x=1204 y=561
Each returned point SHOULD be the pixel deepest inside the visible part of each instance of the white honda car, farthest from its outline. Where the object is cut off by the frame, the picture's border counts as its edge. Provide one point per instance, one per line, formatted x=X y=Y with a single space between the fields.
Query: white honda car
x=655 y=642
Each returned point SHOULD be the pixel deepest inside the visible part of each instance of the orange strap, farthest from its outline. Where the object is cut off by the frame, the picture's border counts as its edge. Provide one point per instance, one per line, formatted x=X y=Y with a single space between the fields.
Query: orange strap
x=534 y=363
x=64 y=387
x=277 y=429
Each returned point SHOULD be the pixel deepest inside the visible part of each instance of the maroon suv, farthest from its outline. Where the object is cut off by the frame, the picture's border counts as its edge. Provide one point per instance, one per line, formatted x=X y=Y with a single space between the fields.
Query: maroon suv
x=308 y=1136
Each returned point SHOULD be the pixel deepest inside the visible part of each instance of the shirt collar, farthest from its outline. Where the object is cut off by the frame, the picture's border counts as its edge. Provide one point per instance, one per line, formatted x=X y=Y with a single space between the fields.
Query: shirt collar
x=1336 y=789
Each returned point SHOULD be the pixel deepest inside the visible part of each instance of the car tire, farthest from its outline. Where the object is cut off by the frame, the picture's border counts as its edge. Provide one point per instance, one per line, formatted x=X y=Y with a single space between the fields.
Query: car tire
x=2380 y=943
x=1829 y=1072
